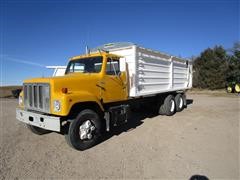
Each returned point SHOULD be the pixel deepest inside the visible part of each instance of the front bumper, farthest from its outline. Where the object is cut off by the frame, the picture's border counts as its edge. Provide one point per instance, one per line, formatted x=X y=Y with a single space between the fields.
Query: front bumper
x=43 y=121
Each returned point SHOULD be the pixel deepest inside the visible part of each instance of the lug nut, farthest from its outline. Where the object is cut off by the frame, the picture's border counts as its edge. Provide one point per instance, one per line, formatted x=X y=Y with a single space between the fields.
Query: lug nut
x=92 y=128
x=89 y=136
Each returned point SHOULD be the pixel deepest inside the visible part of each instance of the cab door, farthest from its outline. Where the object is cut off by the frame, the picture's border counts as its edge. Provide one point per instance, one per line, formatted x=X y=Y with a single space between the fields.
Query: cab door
x=114 y=82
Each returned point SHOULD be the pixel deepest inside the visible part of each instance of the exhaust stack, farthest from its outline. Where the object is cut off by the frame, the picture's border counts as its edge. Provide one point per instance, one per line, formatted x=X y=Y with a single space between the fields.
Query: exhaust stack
x=87 y=50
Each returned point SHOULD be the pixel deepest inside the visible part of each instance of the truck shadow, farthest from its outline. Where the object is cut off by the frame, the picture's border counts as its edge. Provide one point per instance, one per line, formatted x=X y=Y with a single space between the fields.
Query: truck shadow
x=136 y=119
x=189 y=101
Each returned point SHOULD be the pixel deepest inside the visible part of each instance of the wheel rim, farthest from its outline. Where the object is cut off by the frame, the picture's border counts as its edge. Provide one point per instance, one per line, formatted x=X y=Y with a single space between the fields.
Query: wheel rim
x=172 y=105
x=181 y=103
x=229 y=89
x=86 y=130
x=237 y=88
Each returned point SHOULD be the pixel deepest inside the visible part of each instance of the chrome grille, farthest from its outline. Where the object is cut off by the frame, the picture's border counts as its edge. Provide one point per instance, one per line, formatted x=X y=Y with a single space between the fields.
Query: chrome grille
x=37 y=96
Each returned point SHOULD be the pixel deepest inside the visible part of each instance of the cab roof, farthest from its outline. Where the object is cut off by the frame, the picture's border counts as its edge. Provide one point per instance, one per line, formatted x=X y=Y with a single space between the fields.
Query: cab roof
x=93 y=55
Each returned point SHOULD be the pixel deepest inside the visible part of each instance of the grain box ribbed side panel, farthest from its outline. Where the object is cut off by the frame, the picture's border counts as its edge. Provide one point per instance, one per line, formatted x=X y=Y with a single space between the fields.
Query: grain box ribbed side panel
x=180 y=76
x=153 y=72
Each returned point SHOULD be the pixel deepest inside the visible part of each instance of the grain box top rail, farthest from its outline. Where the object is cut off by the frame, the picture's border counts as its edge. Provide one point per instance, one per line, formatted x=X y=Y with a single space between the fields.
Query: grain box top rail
x=124 y=45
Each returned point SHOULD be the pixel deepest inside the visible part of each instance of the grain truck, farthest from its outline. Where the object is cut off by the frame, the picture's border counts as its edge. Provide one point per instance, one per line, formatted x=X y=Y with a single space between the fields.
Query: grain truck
x=99 y=89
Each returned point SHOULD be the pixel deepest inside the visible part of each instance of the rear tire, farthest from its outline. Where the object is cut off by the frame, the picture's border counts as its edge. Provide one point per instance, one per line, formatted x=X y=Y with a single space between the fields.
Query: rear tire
x=37 y=130
x=179 y=102
x=161 y=106
x=184 y=100
x=74 y=137
x=168 y=107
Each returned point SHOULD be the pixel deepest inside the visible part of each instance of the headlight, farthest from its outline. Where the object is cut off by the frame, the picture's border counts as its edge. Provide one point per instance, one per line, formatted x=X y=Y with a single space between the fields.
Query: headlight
x=57 y=105
x=20 y=100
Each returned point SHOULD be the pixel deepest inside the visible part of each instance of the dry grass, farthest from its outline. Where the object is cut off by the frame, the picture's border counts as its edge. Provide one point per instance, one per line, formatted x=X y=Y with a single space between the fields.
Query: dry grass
x=6 y=91
x=219 y=92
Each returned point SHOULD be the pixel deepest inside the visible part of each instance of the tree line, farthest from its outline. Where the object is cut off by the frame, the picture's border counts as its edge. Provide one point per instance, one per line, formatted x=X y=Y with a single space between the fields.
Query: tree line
x=216 y=67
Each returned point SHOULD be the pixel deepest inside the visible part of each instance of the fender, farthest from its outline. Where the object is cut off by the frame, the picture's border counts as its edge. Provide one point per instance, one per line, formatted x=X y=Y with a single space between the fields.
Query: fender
x=70 y=99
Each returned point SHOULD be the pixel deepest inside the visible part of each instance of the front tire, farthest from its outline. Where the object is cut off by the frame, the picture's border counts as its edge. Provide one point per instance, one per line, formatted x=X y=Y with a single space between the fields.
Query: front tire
x=37 y=130
x=85 y=130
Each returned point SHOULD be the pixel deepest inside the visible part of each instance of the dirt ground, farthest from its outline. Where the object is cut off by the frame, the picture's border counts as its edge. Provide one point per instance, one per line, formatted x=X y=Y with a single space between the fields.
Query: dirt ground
x=203 y=139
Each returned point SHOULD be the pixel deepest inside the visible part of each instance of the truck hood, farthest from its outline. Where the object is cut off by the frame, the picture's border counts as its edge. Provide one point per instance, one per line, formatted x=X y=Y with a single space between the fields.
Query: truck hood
x=38 y=80
x=71 y=81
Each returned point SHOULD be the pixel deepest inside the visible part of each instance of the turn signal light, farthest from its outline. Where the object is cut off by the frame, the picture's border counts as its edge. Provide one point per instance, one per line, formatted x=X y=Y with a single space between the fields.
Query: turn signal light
x=64 y=90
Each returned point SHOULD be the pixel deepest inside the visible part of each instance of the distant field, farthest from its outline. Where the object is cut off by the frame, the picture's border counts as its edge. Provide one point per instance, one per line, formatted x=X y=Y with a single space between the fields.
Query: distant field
x=6 y=91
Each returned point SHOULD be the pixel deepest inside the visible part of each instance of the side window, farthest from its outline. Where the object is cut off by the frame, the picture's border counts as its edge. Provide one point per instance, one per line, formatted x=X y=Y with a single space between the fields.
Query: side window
x=112 y=66
x=98 y=67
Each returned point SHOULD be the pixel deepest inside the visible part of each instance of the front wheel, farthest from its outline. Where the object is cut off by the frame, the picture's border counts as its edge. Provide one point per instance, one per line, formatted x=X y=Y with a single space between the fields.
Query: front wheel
x=85 y=130
x=37 y=130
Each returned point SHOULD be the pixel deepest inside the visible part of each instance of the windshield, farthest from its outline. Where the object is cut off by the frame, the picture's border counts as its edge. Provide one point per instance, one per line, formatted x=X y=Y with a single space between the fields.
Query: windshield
x=85 y=65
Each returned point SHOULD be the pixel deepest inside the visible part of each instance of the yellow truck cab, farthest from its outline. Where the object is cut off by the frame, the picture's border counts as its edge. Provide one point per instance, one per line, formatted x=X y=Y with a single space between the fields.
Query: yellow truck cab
x=97 y=91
